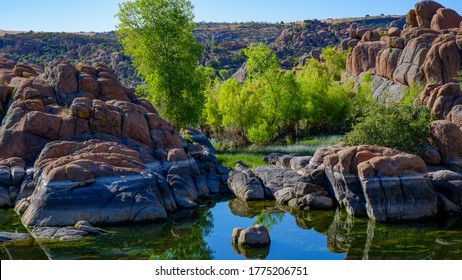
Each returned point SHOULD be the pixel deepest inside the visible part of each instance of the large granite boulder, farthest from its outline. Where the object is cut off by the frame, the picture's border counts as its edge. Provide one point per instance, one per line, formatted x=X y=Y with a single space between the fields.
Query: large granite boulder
x=395 y=188
x=299 y=187
x=441 y=99
x=447 y=137
x=100 y=182
x=448 y=185
x=444 y=59
x=445 y=19
x=425 y=10
x=11 y=175
x=363 y=57
x=381 y=183
x=244 y=184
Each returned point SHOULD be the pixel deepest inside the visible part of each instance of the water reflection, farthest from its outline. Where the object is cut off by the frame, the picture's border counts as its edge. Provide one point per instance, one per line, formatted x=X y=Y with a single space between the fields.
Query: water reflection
x=365 y=239
x=251 y=253
x=205 y=233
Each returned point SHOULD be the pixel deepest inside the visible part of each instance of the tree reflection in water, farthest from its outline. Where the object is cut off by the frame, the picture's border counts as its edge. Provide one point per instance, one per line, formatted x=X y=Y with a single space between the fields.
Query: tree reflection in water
x=366 y=239
x=189 y=234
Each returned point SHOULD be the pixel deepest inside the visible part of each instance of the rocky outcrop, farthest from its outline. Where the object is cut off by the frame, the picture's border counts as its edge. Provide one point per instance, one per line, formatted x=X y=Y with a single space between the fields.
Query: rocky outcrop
x=426 y=50
x=77 y=145
x=381 y=183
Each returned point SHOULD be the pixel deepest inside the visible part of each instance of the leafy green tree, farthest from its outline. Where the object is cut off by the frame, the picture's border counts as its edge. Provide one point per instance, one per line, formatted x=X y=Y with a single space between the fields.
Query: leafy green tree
x=157 y=35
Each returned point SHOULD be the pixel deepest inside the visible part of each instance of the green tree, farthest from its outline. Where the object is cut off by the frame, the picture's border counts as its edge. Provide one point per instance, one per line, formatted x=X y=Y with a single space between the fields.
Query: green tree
x=157 y=35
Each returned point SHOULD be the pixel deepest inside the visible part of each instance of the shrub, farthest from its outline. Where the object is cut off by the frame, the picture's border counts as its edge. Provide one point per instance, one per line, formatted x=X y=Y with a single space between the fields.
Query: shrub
x=402 y=127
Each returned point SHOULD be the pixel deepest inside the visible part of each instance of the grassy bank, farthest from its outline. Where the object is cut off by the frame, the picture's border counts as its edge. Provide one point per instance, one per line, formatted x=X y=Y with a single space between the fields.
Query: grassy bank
x=253 y=155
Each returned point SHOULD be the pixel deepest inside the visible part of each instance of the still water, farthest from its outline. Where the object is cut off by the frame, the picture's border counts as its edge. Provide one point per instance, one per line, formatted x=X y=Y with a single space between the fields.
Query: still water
x=205 y=233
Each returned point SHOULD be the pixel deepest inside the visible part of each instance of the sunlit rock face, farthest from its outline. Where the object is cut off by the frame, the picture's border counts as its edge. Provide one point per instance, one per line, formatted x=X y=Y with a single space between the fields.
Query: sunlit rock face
x=77 y=145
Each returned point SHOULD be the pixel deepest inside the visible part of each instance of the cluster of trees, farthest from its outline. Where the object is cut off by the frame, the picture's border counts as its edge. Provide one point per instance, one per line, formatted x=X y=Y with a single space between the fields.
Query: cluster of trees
x=275 y=105
x=269 y=104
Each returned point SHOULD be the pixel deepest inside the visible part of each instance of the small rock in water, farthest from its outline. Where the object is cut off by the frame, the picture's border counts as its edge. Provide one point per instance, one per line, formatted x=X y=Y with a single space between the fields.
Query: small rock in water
x=254 y=236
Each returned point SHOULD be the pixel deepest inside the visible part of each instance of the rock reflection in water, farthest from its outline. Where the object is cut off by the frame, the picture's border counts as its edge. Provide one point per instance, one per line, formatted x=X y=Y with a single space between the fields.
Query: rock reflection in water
x=182 y=238
x=251 y=252
x=366 y=239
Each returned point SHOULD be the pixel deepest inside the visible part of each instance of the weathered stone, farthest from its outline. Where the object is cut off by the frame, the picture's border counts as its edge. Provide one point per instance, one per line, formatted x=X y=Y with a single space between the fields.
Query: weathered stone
x=430 y=154
x=447 y=138
x=316 y=202
x=244 y=184
x=177 y=155
x=254 y=236
x=399 y=198
x=425 y=10
x=13 y=237
x=445 y=19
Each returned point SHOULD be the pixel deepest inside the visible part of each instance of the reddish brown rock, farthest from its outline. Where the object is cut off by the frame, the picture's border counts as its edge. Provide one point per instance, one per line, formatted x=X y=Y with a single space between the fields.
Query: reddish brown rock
x=363 y=57
x=443 y=60
x=392 y=166
x=394 y=32
x=445 y=19
x=41 y=124
x=24 y=70
x=409 y=69
x=81 y=108
x=111 y=89
x=455 y=116
x=134 y=123
x=425 y=10
x=62 y=76
x=13 y=162
x=88 y=83
x=447 y=137
x=387 y=62
x=371 y=36
x=86 y=69
x=411 y=19
x=441 y=98
x=105 y=118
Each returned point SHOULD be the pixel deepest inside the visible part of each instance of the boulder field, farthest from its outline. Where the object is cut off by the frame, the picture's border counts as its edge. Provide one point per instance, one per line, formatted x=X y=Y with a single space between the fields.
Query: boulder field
x=379 y=183
x=76 y=145
x=427 y=51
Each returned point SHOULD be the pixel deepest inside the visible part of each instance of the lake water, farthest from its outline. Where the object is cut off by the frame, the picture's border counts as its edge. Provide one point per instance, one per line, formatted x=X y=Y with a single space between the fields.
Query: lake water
x=205 y=233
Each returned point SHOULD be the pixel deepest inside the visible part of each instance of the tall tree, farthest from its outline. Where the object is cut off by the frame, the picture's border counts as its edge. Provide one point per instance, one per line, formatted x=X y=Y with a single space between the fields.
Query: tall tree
x=157 y=35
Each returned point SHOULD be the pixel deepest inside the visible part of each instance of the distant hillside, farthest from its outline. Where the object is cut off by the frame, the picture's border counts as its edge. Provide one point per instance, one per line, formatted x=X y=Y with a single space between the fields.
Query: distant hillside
x=222 y=44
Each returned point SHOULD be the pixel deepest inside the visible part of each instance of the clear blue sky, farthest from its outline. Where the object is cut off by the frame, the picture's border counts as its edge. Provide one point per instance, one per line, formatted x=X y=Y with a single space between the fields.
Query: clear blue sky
x=98 y=15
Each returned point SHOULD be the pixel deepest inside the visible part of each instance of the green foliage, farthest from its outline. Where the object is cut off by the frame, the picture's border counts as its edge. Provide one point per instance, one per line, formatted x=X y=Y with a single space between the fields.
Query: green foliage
x=274 y=105
x=412 y=94
x=157 y=34
x=229 y=159
x=402 y=127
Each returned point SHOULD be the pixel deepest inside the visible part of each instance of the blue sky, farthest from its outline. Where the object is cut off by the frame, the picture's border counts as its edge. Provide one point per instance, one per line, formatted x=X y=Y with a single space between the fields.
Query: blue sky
x=98 y=15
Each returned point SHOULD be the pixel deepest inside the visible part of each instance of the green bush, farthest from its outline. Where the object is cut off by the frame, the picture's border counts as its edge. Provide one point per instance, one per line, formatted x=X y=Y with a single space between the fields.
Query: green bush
x=402 y=127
